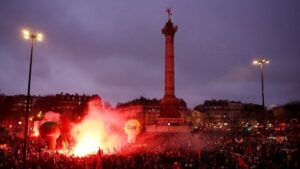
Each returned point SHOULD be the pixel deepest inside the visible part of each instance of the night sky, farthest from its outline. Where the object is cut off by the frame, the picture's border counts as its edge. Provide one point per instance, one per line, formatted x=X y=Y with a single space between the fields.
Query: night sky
x=116 y=49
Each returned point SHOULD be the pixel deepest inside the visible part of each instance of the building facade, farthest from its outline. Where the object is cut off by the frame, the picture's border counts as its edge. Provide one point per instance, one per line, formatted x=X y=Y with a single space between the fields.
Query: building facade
x=148 y=111
x=14 y=107
x=221 y=111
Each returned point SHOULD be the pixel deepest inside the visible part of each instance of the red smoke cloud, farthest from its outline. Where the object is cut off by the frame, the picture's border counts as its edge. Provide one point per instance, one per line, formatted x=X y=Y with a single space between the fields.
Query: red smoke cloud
x=101 y=128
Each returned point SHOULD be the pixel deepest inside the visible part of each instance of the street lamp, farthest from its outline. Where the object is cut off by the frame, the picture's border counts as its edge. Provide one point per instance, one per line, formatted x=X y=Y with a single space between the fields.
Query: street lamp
x=261 y=63
x=33 y=37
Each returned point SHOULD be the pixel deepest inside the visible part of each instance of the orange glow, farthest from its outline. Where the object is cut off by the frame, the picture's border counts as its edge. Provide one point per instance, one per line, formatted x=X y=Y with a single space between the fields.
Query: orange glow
x=36 y=132
x=35 y=129
x=95 y=132
x=39 y=115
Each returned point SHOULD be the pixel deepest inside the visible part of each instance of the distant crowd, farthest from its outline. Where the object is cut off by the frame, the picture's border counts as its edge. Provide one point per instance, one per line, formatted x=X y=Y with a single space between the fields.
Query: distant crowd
x=202 y=150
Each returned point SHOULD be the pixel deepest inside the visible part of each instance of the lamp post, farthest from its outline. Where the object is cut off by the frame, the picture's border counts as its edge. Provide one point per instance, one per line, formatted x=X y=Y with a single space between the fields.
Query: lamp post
x=261 y=63
x=33 y=37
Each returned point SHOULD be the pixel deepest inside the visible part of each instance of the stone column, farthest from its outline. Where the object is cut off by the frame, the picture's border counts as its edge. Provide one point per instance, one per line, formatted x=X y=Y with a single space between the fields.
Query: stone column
x=169 y=31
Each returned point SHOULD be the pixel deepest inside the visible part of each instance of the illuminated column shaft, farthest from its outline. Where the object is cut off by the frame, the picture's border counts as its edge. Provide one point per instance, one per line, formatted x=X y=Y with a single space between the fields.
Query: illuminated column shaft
x=169 y=67
x=169 y=31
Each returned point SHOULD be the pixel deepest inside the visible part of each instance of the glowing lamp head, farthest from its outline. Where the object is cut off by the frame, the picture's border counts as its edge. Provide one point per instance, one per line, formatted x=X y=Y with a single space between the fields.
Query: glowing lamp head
x=255 y=62
x=40 y=37
x=34 y=36
x=26 y=34
x=261 y=61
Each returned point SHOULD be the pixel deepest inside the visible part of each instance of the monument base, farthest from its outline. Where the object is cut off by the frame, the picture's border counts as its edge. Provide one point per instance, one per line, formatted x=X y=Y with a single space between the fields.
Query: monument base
x=169 y=107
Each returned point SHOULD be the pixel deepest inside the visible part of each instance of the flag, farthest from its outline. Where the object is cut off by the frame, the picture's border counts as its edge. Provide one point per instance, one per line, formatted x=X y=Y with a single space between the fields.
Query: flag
x=241 y=162
x=99 y=159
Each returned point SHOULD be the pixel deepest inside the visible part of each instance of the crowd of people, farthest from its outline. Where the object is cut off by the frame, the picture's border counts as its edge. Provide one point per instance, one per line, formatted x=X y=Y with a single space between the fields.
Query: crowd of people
x=207 y=150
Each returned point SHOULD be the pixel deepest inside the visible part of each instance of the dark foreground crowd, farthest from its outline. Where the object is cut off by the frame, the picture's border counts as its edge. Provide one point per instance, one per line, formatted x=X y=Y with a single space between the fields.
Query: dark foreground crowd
x=203 y=150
